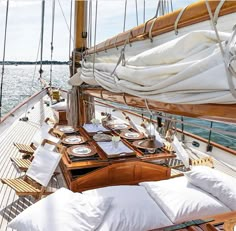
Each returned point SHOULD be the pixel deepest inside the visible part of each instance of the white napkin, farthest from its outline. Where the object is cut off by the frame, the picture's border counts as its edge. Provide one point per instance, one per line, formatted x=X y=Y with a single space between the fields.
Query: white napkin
x=108 y=148
x=94 y=128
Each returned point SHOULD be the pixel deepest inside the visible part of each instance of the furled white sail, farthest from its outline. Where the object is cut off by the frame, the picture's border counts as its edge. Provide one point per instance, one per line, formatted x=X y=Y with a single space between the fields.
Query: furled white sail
x=188 y=69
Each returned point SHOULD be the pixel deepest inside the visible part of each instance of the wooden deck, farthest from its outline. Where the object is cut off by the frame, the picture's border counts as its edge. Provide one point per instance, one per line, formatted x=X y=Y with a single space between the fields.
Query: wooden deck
x=21 y=132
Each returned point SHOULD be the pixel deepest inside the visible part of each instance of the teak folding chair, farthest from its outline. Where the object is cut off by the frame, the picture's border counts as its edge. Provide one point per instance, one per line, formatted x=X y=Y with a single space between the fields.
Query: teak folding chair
x=46 y=133
x=23 y=164
x=38 y=175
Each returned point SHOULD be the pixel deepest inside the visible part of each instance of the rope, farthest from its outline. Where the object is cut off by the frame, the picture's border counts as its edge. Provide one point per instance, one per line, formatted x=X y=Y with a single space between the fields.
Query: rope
x=178 y=18
x=71 y=7
x=125 y=15
x=95 y=35
x=42 y=30
x=229 y=71
x=52 y=37
x=3 y=59
x=146 y=103
x=136 y=6
x=65 y=19
x=122 y=54
x=90 y=19
x=144 y=9
x=217 y=11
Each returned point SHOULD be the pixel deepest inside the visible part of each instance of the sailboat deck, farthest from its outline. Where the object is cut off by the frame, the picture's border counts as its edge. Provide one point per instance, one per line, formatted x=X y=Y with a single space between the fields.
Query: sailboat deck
x=21 y=132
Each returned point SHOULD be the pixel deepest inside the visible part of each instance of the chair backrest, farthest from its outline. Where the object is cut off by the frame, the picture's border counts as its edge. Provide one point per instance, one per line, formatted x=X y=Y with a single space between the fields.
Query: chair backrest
x=180 y=152
x=45 y=132
x=43 y=165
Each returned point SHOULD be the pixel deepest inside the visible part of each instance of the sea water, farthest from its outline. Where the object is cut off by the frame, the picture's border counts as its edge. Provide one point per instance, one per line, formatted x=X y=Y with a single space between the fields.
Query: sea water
x=21 y=81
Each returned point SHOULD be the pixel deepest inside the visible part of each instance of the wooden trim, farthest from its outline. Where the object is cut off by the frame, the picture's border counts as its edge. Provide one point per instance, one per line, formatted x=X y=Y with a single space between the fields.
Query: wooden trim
x=217 y=112
x=194 y=13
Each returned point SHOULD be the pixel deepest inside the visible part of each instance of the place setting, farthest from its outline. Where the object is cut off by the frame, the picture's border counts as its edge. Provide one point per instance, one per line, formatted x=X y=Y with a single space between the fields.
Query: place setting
x=82 y=150
x=73 y=140
x=67 y=129
x=131 y=135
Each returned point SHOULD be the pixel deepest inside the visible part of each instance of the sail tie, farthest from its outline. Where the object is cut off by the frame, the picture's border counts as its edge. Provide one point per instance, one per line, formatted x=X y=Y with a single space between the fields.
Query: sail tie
x=177 y=20
x=217 y=11
x=3 y=59
x=122 y=54
x=52 y=37
x=228 y=67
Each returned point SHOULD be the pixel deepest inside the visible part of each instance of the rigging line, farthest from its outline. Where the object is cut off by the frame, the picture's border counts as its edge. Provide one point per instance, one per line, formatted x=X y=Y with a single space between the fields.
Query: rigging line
x=95 y=35
x=71 y=7
x=136 y=6
x=65 y=20
x=3 y=58
x=144 y=9
x=52 y=37
x=35 y=66
x=171 y=6
x=125 y=15
x=91 y=22
x=42 y=30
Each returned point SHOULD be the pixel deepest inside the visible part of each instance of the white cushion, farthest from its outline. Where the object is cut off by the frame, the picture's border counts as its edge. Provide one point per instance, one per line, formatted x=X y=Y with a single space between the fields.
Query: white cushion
x=62 y=211
x=218 y=184
x=61 y=106
x=182 y=201
x=131 y=209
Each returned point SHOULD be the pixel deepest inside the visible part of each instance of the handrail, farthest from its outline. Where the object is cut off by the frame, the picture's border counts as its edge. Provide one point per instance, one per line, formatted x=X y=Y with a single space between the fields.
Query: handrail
x=4 y=118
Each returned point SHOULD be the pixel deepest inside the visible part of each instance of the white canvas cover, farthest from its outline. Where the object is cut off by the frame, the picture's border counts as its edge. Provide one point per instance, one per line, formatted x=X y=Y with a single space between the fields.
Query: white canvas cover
x=42 y=134
x=43 y=165
x=187 y=70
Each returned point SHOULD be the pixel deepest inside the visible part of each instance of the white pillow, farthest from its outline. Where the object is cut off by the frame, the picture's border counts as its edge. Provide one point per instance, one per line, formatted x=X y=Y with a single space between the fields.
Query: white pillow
x=131 y=209
x=182 y=201
x=218 y=184
x=62 y=211
x=61 y=106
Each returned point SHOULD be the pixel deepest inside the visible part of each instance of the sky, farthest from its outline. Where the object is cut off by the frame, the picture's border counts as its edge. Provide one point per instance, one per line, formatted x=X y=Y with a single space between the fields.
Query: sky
x=24 y=25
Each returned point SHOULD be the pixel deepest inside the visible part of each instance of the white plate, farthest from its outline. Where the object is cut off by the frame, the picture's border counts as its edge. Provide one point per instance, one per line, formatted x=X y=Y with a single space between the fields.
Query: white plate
x=132 y=134
x=81 y=150
x=120 y=126
x=67 y=129
x=73 y=140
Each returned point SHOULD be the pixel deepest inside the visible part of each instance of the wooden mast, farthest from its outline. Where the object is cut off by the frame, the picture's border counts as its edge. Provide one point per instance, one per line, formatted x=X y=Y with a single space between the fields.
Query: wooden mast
x=86 y=110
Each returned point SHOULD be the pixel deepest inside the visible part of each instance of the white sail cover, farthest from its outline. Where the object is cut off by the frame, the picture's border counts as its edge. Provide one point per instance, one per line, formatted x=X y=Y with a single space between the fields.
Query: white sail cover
x=187 y=70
